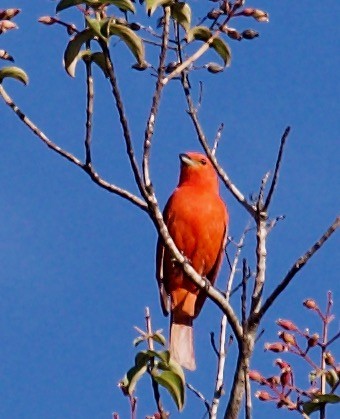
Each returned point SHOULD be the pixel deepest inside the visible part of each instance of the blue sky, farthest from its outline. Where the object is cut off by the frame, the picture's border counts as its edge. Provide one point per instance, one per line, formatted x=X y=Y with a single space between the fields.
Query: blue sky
x=77 y=264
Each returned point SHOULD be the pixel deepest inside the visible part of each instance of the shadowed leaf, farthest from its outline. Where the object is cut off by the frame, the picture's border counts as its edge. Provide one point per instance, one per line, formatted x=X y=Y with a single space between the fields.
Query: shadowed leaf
x=71 y=54
x=315 y=405
x=13 y=73
x=133 y=41
x=181 y=12
x=126 y=5
x=151 y=5
x=174 y=384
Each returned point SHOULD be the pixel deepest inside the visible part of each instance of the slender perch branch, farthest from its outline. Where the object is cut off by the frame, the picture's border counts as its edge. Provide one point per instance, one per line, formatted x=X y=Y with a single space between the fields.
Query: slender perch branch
x=277 y=168
x=70 y=157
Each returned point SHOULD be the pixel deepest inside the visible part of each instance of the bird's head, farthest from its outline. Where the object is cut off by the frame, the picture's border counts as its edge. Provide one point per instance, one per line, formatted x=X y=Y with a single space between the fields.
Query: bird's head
x=196 y=168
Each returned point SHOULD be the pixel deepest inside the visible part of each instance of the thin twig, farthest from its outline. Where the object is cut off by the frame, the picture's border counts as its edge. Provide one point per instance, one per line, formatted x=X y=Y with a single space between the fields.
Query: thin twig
x=221 y=353
x=70 y=157
x=259 y=203
x=155 y=387
x=122 y=118
x=89 y=108
x=245 y=276
x=297 y=266
x=149 y=130
x=333 y=339
x=203 y=140
x=261 y=256
x=277 y=168
x=247 y=399
x=199 y=395
x=217 y=139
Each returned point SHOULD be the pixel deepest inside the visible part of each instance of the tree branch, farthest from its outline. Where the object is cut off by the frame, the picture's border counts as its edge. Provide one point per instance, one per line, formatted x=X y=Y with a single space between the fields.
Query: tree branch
x=70 y=157
x=297 y=266
x=149 y=130
x=122 y=118
x=89 y=109
x=277 y=168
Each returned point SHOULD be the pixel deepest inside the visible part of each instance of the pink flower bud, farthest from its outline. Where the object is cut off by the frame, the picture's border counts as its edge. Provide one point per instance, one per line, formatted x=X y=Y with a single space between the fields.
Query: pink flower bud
x=310 y=304
x=8 y=13
x=47 y=20
x=263 y=395
x=313 y=340
x=286 y=324
x=275 y=347
x=273 y=381
x=6 y=25
x=287 y=338
x=281 y=364
x=256 y=376
x=329 y=359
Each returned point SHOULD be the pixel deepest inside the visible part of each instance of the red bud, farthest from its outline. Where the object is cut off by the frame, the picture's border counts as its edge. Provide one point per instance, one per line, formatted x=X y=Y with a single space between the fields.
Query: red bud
x=263 y=395
x=286 y=324
x=310 y=304
x=275 y=347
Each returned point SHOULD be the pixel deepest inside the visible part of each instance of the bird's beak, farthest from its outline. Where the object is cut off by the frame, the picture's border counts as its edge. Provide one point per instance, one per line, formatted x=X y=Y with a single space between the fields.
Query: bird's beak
x=185 y=159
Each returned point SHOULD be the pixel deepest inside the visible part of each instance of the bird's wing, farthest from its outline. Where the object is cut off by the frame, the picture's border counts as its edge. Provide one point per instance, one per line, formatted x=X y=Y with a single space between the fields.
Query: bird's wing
x=212 y=274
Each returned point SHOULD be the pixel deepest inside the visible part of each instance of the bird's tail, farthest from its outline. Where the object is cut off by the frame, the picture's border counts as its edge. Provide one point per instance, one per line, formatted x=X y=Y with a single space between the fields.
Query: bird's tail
x=182 y=345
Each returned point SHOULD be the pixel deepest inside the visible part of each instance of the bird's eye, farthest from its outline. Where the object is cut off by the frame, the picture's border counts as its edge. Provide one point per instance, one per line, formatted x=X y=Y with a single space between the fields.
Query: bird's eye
x=203 y=161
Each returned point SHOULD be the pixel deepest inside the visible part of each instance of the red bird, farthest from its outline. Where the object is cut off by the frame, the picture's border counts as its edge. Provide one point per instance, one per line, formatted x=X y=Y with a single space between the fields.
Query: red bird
x=197 y=220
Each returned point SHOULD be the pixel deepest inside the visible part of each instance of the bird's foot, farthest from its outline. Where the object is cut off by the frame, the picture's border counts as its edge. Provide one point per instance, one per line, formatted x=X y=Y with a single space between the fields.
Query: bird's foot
x=207 y=284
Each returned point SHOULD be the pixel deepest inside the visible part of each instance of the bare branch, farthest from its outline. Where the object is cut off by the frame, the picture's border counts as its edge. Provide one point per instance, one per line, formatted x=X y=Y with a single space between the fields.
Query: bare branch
x=70 y=157
x=217 y=139
x=221 y=353
x=264 y=181
x=297 y=266
x=155 y=388
x=89 y=109
x=277 y=168
x=200 y=396
x=149 y=130
x=261 y=256
x=122 y=118
x=247 y=400
x=203 y=140
x=184 y=65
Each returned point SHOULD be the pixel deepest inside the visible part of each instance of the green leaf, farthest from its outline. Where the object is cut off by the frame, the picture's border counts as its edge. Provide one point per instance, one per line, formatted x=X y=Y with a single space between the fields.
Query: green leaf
x=97 y=26
x=164 y=356
x=201 y=33
x=138 y=340
x=65 y=4
x=173 y=366
x=129 y=382
x=159 y=338
x=13 y=73
x=142 y=358
x=151 y=5
x=222 y=49
x=315 y=405
x=71 y=54
x=126 y=5
x=133 y=41
x=174 y=384
x=181 y=12
x=97 y=58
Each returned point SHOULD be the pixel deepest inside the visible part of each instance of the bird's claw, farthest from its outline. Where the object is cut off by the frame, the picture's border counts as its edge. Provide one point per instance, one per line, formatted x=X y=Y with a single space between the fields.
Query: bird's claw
x=207 y=284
